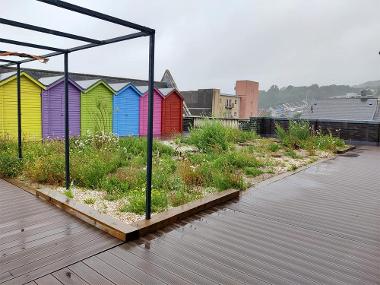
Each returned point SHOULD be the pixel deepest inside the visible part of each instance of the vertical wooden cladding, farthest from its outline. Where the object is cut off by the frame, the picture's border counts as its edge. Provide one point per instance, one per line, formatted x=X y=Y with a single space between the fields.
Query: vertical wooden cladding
x=126 y=110
x=30 y=107
x=53 y=106
x=96 y=107
x=172 y=109
x=158 y=98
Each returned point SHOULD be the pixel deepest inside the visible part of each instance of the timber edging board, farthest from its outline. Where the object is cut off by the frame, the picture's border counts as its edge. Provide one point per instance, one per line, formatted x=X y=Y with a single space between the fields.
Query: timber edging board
x=118 y=229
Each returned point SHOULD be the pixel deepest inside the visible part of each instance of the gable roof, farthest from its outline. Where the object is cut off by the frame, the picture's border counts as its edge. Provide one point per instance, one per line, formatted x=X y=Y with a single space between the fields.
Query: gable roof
x=167 y=91
x=118 y=86
x=9 y=76
x=144 y=90
x=88 y=85
x=50 y=82
x=168 y=78
x=354 y=109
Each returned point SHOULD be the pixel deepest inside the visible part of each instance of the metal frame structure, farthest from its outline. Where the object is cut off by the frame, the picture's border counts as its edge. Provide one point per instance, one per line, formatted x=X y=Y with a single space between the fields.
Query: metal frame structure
x=90 y=43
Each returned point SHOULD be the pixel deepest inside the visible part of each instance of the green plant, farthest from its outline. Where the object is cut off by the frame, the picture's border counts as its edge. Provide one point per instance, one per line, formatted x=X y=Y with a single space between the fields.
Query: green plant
x=47 y=169
x=291 y=153
x=136 y=202
x=10 y=164
x=273 y=147
x=252 y=171
x=211 y=136
x=89 y=201
x=69 y=194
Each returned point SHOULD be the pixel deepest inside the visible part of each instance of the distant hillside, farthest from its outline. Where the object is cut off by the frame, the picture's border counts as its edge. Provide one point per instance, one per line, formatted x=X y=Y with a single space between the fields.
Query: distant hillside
x=369 y=84
x=275 y=96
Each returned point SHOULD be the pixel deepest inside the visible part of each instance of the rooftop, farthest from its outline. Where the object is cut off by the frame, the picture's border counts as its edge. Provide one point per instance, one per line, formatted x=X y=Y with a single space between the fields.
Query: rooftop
x=355 y=109
x=40 y=73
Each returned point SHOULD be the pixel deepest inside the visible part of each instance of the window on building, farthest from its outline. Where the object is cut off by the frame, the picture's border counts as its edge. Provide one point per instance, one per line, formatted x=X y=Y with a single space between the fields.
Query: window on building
x=235 y=101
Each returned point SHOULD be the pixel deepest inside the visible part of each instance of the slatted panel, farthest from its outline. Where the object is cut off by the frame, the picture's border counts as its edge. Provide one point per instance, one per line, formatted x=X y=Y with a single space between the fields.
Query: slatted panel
x=126 y=112
x=30 y=109
x=156 y=114
x=96 y=110
x=53 y=125
x=172 y=114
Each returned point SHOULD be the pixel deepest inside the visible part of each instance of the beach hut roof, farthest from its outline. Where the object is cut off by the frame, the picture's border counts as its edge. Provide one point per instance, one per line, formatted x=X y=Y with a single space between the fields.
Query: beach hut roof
x=167 y=91
x=88 y=85
x=52 y=81
x=118 y=86
x=49 y=80
x=144 y=90
x=6 y=77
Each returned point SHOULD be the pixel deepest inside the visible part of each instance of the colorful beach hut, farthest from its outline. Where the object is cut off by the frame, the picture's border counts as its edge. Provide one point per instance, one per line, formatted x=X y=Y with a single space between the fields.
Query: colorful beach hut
x=126 y=109
x=53 y=106
x=158 y=98
x=96 y=106
x=30 y=106
x=172 y=110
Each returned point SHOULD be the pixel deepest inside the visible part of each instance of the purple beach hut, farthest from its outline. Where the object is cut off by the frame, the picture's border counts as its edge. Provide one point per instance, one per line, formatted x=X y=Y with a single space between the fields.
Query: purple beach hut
x=53 y=108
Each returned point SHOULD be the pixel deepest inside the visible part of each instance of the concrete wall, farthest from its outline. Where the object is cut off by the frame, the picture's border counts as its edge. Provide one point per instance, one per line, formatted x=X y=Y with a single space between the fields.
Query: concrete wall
x=248 y=91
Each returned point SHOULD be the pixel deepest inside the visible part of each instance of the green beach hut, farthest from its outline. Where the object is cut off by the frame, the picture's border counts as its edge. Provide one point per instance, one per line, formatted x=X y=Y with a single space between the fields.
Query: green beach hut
x=96 y=106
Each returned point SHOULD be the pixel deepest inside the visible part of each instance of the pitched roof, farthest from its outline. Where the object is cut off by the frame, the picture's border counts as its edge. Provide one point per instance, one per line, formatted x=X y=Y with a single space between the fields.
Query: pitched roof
x=88 y=85
x=167 y=91
x=118 y=86
x=50 y=82
x=6 y=77
x=40 y=73
x=168 y=78
x=142 y=89
x=354 y=109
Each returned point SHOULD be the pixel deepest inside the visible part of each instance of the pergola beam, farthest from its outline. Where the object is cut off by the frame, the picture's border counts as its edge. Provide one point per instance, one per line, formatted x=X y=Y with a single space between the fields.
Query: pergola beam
x=47 y=31
x=25 y=44
x=98 y=15
x=9 y=61
x=110 y=41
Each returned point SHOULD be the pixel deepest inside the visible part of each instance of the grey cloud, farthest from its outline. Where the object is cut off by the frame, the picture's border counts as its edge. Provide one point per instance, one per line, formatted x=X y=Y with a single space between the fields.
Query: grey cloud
x=212 y=43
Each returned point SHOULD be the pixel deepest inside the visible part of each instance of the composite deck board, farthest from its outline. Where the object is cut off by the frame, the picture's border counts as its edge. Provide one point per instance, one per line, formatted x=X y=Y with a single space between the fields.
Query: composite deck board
x=319 y=226
x=37 y=239
x=48 y=280
x=89 y=275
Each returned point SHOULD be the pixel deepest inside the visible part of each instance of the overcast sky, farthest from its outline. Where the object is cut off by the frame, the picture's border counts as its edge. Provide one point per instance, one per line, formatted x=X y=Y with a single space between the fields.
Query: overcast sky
x=212 y=43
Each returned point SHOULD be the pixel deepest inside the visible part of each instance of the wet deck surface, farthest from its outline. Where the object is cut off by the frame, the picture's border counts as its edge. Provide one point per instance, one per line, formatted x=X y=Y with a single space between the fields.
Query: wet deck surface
x=320 y=226
x=37 y=238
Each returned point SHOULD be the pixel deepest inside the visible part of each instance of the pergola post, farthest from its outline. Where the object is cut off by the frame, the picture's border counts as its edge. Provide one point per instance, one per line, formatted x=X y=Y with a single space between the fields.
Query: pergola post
x=148 y=193
x=91 y=43
x=67 y=127
x=19 y=129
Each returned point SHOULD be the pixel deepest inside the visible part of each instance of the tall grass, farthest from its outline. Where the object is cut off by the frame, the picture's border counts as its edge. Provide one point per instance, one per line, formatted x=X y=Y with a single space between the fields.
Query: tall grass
x=214 y=137
x=301 y=135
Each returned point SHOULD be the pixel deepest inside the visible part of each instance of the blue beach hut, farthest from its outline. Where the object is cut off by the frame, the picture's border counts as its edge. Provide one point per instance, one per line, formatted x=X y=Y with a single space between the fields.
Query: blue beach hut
x=126 y=109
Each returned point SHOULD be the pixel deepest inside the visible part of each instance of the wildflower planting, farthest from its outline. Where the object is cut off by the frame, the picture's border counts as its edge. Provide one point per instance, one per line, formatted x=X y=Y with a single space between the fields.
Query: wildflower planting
x=108 y=173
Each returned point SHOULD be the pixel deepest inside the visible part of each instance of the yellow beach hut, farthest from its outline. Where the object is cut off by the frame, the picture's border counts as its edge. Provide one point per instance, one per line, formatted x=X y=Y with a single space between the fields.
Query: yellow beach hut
x=30 y=106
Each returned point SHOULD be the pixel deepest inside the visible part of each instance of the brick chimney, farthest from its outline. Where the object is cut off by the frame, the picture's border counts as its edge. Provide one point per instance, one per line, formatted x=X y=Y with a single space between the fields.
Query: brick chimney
x=248 y=91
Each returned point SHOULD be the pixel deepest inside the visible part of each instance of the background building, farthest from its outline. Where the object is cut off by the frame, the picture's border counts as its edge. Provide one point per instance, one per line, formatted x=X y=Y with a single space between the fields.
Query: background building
x=248 y=92
x=212 y=102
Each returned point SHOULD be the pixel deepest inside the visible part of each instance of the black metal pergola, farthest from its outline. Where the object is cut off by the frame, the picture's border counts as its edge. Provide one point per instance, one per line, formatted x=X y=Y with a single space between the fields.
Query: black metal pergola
x=90 y=43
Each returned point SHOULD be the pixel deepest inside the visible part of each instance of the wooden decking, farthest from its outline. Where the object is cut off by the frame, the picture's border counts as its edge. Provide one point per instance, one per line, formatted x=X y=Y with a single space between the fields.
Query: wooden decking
x=320 y=226
x=37 y=238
